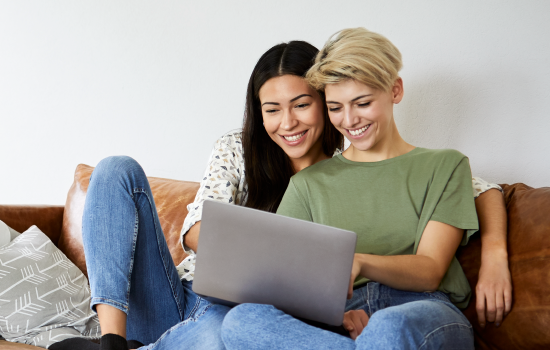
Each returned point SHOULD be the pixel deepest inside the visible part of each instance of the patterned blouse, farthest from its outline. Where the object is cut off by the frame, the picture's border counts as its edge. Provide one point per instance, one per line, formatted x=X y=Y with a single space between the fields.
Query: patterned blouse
x=224 y=180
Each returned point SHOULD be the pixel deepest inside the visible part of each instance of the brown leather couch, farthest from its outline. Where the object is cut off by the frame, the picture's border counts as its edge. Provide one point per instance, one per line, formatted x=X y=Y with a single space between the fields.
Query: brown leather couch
x=526 y=327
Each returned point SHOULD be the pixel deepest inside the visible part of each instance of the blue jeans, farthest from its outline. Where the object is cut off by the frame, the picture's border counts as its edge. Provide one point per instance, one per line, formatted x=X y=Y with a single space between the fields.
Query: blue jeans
x=130 y=266
x=398 y=320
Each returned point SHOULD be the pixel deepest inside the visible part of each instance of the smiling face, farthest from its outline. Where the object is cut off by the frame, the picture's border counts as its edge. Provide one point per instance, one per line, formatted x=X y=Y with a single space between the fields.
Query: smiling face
x=293 y=117
x=364 y=115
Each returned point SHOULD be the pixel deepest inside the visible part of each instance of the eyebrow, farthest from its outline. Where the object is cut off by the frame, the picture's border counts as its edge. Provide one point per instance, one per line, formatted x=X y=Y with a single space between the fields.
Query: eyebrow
x=355 y=99
x=294 y=99
x=298 y=97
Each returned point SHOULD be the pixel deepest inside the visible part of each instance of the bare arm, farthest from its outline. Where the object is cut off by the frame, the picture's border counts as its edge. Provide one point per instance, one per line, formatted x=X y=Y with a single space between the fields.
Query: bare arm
x=191 y=238
x=418 y=273
x=494 y=287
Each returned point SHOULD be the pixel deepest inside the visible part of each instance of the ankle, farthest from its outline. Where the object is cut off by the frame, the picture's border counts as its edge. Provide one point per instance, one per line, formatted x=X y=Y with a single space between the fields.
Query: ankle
x=113 y=342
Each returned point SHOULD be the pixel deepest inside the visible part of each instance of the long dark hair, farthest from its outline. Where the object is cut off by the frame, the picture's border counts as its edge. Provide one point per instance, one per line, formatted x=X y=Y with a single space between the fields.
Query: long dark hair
x=267 y=167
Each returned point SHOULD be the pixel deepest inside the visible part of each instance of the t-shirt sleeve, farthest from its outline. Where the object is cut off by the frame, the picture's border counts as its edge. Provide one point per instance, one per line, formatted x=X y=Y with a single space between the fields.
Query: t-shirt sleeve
x=480 y=186
x=294 y=204
x=456 y=205
x=220 y=182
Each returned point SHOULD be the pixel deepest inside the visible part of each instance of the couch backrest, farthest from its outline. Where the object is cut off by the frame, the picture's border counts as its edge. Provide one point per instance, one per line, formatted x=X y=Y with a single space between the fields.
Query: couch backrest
x=171 y=199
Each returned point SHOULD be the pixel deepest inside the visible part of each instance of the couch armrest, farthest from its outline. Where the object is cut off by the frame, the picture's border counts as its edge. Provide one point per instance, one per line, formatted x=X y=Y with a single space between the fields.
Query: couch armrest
x=48 y=218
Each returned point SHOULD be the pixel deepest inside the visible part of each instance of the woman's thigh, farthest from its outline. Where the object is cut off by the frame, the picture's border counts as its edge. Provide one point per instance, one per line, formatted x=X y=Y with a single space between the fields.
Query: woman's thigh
x=422 y=324
x=201 y=331
x=256 y=326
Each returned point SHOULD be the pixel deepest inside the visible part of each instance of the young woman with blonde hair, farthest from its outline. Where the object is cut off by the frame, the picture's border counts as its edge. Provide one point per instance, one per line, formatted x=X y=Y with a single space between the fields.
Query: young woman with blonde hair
x=411 y=208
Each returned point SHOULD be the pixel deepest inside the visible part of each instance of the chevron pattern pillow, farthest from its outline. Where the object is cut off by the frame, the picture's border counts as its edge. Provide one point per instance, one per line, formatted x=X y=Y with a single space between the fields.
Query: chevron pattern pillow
x=44 y=297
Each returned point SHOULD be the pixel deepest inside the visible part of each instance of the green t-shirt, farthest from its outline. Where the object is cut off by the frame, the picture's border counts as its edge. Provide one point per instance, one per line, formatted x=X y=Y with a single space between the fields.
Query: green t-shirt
x=389 y=203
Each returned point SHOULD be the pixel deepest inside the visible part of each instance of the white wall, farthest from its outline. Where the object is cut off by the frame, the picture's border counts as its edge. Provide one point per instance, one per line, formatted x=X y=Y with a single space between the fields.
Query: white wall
x=161 y=80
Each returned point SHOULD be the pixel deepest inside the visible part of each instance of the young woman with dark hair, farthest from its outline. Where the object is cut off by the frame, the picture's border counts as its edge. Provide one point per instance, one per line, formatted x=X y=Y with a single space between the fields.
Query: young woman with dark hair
x=268 y=167
x=136 y=289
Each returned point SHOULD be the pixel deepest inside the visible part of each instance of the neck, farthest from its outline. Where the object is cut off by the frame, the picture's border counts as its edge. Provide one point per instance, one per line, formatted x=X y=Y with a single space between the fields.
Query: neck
x=314 y=155
x=390 y=146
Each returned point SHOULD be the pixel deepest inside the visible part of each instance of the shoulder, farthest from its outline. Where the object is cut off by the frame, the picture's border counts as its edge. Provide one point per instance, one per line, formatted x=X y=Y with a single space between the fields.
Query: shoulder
x=229 y=145
x=227 y=153
x=232 y=139
x=316 y=171
x=440 y=157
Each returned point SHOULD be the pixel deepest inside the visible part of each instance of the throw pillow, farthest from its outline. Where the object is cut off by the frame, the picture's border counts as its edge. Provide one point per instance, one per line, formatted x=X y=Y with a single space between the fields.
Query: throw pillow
x=13 y=233
x=44 y=297
x=5 y=234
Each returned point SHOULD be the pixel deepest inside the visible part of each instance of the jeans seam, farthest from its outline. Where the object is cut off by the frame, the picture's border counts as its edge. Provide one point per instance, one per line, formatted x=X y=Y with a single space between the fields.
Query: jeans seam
x=203 y=311
x=368 y=301
x=441 y=327
x=134 y=243
x=195 y=308
x=151 y=206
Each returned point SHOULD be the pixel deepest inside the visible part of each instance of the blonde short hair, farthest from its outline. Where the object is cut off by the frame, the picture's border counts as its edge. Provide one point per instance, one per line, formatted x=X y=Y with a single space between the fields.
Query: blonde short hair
x=358 y=54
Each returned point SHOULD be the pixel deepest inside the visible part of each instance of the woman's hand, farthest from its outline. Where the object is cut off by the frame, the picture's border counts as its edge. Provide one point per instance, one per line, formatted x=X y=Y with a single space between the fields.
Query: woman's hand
x=355 y=270
x=493 y=292
x=355 y=321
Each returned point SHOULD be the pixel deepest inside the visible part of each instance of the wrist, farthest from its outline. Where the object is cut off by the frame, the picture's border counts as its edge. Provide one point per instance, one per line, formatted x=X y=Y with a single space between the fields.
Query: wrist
x=363 y=260
x=494 y=256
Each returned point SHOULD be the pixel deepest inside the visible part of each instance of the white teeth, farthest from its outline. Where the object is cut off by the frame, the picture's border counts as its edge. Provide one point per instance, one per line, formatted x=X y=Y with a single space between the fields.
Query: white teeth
x=295 y=137
x=359 y=131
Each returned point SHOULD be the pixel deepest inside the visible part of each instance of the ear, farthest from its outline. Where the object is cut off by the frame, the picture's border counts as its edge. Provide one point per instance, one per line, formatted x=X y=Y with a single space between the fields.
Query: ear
x=397 y=90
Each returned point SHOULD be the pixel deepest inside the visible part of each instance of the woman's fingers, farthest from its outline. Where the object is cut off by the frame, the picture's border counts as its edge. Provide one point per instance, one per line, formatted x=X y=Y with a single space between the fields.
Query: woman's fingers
x=364 y=318
x=355 y=269
x=349 y=325
x=494 y=293
x=350 y=289
x=480 y=308
x=491 y=307
x=499 y=302
x=507 y=300
x=355 y=321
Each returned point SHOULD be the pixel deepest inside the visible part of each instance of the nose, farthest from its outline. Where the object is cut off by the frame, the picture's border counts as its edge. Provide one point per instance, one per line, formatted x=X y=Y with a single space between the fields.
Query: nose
x=289 y=121
x=350 y=118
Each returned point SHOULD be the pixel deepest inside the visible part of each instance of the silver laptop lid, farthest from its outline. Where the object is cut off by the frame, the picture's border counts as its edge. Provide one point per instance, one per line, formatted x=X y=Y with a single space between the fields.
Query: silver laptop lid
x=251 y=256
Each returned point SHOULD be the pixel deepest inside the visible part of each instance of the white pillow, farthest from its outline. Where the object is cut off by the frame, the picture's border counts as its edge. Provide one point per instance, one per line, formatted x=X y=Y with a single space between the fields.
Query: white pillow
x=5 y=234
x=44 y=297
x=10 y=234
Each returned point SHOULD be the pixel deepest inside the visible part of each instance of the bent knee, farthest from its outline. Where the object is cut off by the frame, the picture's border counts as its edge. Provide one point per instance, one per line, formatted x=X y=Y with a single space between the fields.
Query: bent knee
x=117 y=167
x=421 y=322
x=237 y=316
x=241 y=320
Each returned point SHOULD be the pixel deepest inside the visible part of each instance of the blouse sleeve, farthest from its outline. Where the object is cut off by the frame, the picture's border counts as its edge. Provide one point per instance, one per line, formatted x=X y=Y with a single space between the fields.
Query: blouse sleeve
x=221 y=180
x=479 y=185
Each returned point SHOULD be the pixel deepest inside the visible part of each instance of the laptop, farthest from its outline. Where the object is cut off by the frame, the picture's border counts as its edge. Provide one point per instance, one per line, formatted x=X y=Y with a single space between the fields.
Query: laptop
x=252 y=256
